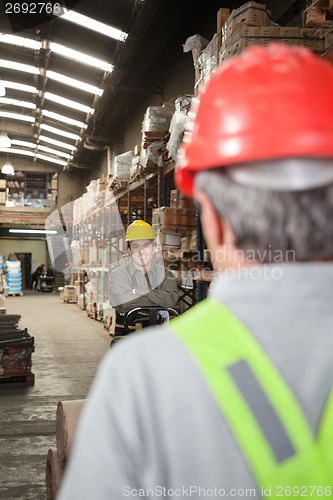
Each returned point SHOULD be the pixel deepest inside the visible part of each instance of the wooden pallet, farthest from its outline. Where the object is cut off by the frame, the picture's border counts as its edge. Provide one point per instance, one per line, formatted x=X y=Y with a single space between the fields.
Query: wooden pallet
x=26 y=378
x=16 y=294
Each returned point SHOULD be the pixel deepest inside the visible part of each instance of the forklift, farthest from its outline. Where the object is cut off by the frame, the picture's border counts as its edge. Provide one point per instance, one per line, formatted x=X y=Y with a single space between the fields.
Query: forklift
x=139 y=318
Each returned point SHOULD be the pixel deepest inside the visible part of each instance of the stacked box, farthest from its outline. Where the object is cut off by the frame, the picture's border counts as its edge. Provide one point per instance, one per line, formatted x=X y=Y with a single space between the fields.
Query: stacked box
x=169 y=239
x=135 y=167
x=156 y=123
x=174 y=218
x=69 y=293
x=249 y=14
x=269 y=34
x=316 y=39
x=179 y=200
x=101 y=184
x=185 y=242
x=252 y=14
x=193 y=240
x=328 y=34
x=243 y=37
x=122 y=165
x=290 y=35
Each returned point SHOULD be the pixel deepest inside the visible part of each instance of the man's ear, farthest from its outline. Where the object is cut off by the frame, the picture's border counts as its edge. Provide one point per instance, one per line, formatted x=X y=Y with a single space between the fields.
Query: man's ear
x=129 y=250
x=212 y=226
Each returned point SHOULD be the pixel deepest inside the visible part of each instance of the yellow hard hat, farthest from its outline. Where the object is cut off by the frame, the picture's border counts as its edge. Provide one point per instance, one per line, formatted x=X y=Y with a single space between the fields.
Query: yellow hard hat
x=139 y=230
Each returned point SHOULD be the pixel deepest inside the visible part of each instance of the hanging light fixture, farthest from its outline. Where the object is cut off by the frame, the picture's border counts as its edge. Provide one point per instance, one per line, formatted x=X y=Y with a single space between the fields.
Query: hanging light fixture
x=7 y=169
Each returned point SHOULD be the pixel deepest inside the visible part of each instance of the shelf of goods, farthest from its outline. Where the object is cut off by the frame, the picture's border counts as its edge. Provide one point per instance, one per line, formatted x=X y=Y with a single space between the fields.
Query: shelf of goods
x=13 y=277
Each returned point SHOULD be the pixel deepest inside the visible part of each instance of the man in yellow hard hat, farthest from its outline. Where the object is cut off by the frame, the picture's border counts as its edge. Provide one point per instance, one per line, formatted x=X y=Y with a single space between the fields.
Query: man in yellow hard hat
x=142 y=282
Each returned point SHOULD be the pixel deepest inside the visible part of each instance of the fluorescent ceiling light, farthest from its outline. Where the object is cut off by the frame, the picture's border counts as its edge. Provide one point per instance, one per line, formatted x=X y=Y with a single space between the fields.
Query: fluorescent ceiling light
x=2 y=89
x=21 y=41
x=57 y=143
x=23 y=152
x=75 y=55
x=89 y=23
x=58 y=131
x=16 y=116
x=19 y=86
x=68 y=102
x=66 y=80
x=53 y=151
x=24 y=144
x=5 y=142
x=7 y=169
x=16 y=102
x=19 y=66
x=53 y=160
x=64 y=119
x=42 y=148
x=32 y=231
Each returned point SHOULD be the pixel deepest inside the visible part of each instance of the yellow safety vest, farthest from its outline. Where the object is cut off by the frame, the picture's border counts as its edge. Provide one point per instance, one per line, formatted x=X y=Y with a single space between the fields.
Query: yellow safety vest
x=285 y=459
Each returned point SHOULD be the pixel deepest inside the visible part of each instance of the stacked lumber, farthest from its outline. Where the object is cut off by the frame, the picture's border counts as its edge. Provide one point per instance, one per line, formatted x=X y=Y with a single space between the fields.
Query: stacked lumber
x=67 y=416
x=16 y=348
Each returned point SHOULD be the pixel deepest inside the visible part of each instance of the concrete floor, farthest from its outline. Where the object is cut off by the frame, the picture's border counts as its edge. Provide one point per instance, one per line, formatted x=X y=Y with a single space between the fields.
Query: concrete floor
x=68 y=348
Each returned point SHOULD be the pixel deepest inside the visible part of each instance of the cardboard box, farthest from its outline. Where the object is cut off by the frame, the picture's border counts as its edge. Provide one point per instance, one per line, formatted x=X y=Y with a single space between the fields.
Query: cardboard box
x=246 y=32
x=270 y=34
x=69 y=293
x=242 y=44
x=170 y=238
x=174 y=217
x=228 y=28
x=328 y=35
x=252 y=14
x=225 y=53
x=290 y=36
x=313 y=39
x=185 y=242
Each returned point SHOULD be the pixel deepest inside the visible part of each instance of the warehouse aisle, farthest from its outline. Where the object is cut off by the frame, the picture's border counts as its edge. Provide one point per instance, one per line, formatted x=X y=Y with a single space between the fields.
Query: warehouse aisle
x=68 y=348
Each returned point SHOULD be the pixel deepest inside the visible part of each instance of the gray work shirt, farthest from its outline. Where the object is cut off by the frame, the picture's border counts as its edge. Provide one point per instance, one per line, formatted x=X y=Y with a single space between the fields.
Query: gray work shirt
x=151 y=427
x=157 y=288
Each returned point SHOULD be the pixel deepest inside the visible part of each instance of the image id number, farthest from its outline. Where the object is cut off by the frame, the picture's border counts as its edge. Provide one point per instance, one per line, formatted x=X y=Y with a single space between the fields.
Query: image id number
x=33 y=8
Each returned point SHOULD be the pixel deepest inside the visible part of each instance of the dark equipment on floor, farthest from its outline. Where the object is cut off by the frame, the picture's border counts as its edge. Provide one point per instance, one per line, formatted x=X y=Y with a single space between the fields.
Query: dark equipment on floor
x=16 y=348
x=46 y=283
x=141 y=317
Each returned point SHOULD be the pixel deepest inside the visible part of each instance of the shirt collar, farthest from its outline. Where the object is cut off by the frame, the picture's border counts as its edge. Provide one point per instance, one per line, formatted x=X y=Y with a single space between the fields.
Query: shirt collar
x=132 y=269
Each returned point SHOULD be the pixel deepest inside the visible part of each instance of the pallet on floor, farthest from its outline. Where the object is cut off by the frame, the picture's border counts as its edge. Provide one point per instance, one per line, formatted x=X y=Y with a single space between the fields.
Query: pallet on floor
x=27 y=378
x=15 y=294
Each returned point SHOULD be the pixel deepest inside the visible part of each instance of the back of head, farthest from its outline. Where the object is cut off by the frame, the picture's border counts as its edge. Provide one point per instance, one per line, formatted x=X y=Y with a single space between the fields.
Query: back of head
x=260 y=145
x=273 y=102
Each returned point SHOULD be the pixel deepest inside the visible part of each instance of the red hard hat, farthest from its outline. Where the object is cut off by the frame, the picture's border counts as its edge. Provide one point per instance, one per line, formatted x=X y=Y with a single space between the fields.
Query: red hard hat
x=268 y=103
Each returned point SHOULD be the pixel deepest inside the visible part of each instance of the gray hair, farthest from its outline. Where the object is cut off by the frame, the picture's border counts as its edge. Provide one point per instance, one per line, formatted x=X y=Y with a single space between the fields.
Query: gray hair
x=266 y=221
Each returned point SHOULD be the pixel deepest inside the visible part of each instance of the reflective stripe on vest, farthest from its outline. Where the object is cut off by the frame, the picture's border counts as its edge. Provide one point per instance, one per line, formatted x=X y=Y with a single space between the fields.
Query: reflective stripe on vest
x=259 y=407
